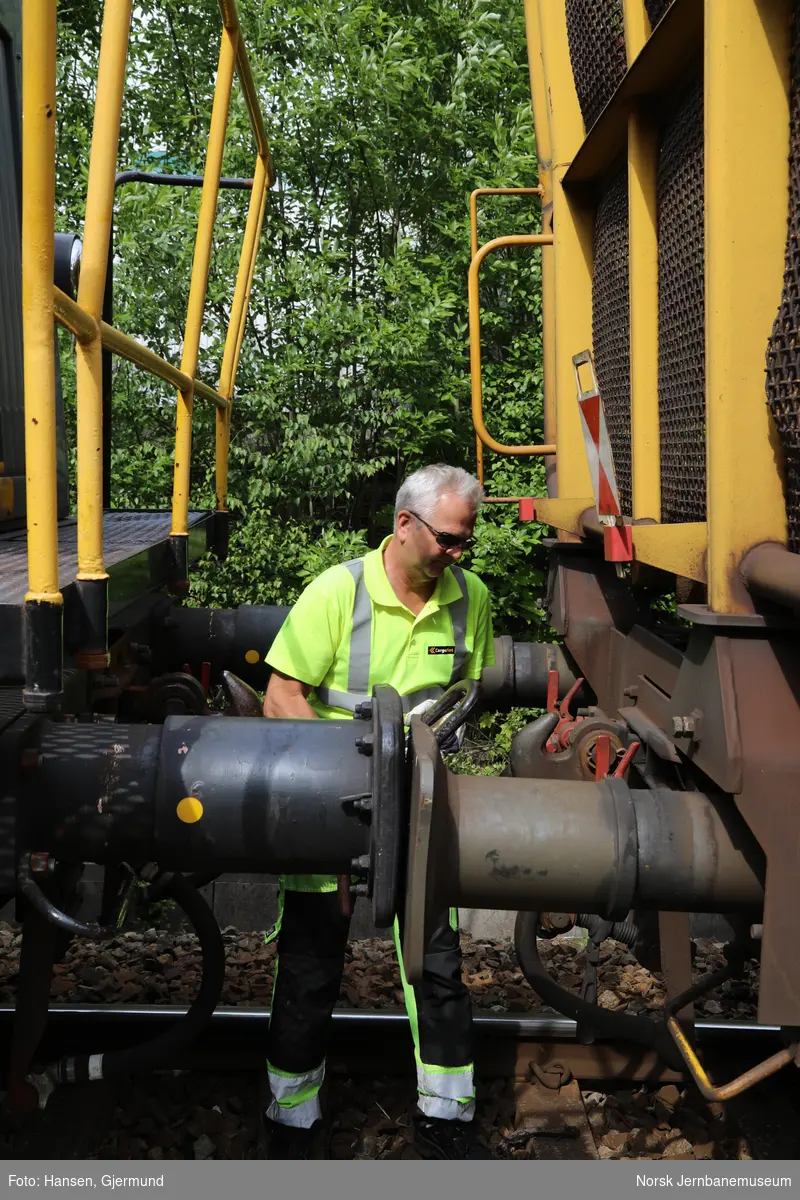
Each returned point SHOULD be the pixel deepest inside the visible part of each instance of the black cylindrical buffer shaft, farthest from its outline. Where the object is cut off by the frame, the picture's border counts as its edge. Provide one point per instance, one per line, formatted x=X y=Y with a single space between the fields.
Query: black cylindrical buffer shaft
x=569 y=847
x=236 y=640
x=196 y=793
x=521 y=673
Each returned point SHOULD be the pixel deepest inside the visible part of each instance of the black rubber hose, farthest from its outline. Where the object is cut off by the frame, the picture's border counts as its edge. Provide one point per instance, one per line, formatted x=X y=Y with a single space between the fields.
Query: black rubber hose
x=607 y=1024
x=147 y=1057
x=35 y=896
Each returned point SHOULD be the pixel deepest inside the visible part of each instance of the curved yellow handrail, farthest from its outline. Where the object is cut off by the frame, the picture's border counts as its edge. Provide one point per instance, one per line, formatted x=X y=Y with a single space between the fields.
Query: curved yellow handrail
x=516 y=239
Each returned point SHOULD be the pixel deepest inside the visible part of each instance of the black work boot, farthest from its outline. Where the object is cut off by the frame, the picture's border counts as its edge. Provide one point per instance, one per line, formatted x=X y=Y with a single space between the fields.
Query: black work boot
x=285 y=1141
x=435 y=1138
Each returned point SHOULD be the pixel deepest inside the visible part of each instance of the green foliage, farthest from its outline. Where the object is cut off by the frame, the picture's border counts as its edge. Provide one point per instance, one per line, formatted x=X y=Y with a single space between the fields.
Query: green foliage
x=383 y=115
x=487 y=742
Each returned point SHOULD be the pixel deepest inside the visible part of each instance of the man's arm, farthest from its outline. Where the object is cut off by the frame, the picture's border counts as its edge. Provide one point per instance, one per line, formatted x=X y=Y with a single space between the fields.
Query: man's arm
x=287 y=697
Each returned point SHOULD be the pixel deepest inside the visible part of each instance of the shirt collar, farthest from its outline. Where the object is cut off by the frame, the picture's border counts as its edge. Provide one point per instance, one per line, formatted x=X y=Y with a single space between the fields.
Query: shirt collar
x=381 y=591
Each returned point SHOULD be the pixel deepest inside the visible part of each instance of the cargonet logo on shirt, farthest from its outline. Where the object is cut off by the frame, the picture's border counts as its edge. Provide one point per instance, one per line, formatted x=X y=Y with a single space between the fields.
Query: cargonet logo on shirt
x=441 y=649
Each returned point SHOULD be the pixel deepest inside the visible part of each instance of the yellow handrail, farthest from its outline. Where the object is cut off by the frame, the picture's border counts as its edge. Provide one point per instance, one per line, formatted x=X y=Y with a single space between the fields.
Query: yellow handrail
x=473 y=231
x=199 y=281
x=85 y=330
x=517 y=239
x=42 y=302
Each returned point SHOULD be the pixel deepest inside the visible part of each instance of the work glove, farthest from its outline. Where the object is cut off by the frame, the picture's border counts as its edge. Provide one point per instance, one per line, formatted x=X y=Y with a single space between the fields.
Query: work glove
x=452 y=744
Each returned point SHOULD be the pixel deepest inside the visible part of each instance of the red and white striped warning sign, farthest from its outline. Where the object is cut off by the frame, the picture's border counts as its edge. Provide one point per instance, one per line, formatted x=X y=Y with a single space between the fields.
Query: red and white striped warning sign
x=598 y=446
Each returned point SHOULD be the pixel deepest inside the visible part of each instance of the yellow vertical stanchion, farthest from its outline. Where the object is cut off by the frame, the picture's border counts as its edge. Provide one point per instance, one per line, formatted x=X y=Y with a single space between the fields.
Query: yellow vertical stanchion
x=196 y=305
x=746 y=104
x=236 y=324
x=544 y=154
x=43 y=602
x=643 y=287
x=92 y=579
x=572 y=248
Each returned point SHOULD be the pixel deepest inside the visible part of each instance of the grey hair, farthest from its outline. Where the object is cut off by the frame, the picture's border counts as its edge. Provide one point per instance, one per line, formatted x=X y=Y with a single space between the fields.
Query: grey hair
x=422 y=490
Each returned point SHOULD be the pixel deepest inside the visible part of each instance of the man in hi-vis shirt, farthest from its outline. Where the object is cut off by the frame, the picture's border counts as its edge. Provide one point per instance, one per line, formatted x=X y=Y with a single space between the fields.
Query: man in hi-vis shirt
x=408 y=616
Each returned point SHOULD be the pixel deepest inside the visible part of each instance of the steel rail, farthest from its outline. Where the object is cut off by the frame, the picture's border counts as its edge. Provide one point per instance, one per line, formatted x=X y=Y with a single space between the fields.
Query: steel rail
x=529 y=1026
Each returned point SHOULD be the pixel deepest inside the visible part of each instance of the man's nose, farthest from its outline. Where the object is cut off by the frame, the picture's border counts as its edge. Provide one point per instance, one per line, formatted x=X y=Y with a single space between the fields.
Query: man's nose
x=455 y=552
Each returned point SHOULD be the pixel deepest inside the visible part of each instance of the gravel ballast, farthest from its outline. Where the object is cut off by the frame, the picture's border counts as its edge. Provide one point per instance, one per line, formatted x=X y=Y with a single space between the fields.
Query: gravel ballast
x=216 y=1116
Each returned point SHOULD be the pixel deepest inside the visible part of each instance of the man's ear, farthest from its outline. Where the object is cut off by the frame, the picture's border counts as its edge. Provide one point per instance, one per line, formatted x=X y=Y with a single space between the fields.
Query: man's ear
x=402 y=525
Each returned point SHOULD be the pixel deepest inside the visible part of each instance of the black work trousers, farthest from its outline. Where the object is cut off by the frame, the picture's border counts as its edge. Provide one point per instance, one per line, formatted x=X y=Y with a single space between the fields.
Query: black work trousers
x=312 y=939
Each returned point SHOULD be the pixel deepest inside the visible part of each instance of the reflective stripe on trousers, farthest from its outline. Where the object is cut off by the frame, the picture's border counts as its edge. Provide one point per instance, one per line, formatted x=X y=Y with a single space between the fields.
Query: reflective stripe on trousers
x=361 y=647
x=446 y=1092
x=295 y=1098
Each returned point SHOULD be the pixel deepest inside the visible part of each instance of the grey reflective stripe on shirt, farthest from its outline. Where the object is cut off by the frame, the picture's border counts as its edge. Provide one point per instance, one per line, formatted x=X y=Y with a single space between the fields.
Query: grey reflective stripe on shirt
x=360 y=647
x=346 y=700
x=349 y=700
x=360 y=631
x=459 y=611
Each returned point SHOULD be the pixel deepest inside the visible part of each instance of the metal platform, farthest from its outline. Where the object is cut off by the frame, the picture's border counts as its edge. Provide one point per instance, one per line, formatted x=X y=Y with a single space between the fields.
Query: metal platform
x=137 y=558
x=125 y=535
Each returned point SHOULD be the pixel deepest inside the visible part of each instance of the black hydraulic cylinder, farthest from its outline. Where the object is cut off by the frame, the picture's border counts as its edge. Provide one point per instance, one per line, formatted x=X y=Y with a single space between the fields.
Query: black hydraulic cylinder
x=236 y=640
x=231 y=794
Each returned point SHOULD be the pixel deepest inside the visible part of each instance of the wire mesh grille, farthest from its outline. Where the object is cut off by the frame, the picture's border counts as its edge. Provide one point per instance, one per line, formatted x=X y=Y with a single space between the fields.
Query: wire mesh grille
x=597 y=52
x=681 y=314
x=611 y=326
x=656 y=10
x=783 y=348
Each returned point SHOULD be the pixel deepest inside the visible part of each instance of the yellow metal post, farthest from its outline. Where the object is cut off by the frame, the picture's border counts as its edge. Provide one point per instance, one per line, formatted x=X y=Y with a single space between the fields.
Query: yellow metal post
x=38 y=202
x=43 y=604
x=199 y=281
x=250 y=274
x=637 y=27
x=89 y=371
x=643 y=286
x=746 y=104
x=236 y=323
x=572 y=245
x=544 y=155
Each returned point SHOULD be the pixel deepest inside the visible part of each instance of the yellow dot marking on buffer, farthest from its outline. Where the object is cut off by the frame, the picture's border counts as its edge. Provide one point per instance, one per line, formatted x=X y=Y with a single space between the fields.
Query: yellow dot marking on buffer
x=189 y=810
x=251 y=656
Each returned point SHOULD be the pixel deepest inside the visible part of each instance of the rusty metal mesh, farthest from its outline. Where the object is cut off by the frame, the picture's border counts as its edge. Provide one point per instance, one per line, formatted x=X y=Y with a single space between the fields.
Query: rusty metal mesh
x=681 y=314
x=656 y=10
x=597 y=52
x=783 y=348
x=611 y=326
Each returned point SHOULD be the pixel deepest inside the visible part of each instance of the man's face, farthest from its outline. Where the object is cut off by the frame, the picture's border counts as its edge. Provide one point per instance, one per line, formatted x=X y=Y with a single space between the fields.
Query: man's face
x=424 y=557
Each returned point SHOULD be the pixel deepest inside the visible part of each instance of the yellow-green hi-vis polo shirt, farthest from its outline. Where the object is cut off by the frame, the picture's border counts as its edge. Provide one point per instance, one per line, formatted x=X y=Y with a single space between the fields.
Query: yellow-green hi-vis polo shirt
x=348 y=632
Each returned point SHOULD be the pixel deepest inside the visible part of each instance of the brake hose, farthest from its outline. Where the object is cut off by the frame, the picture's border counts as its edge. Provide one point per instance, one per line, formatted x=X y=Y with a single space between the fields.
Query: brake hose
x=608 y=1024
x=162 y=1048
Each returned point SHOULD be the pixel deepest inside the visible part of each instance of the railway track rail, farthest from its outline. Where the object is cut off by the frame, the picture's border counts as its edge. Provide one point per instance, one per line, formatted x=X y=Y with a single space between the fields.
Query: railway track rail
x=534 y=1061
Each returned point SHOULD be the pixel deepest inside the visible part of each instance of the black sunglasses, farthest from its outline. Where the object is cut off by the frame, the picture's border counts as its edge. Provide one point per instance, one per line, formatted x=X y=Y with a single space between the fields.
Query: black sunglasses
x=448 y=541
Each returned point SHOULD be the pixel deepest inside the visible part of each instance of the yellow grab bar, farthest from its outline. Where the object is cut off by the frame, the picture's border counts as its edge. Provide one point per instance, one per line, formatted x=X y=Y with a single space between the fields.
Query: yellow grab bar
x=86 y=330
x=473 y=237
x=499 y=191
x=516 y=239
